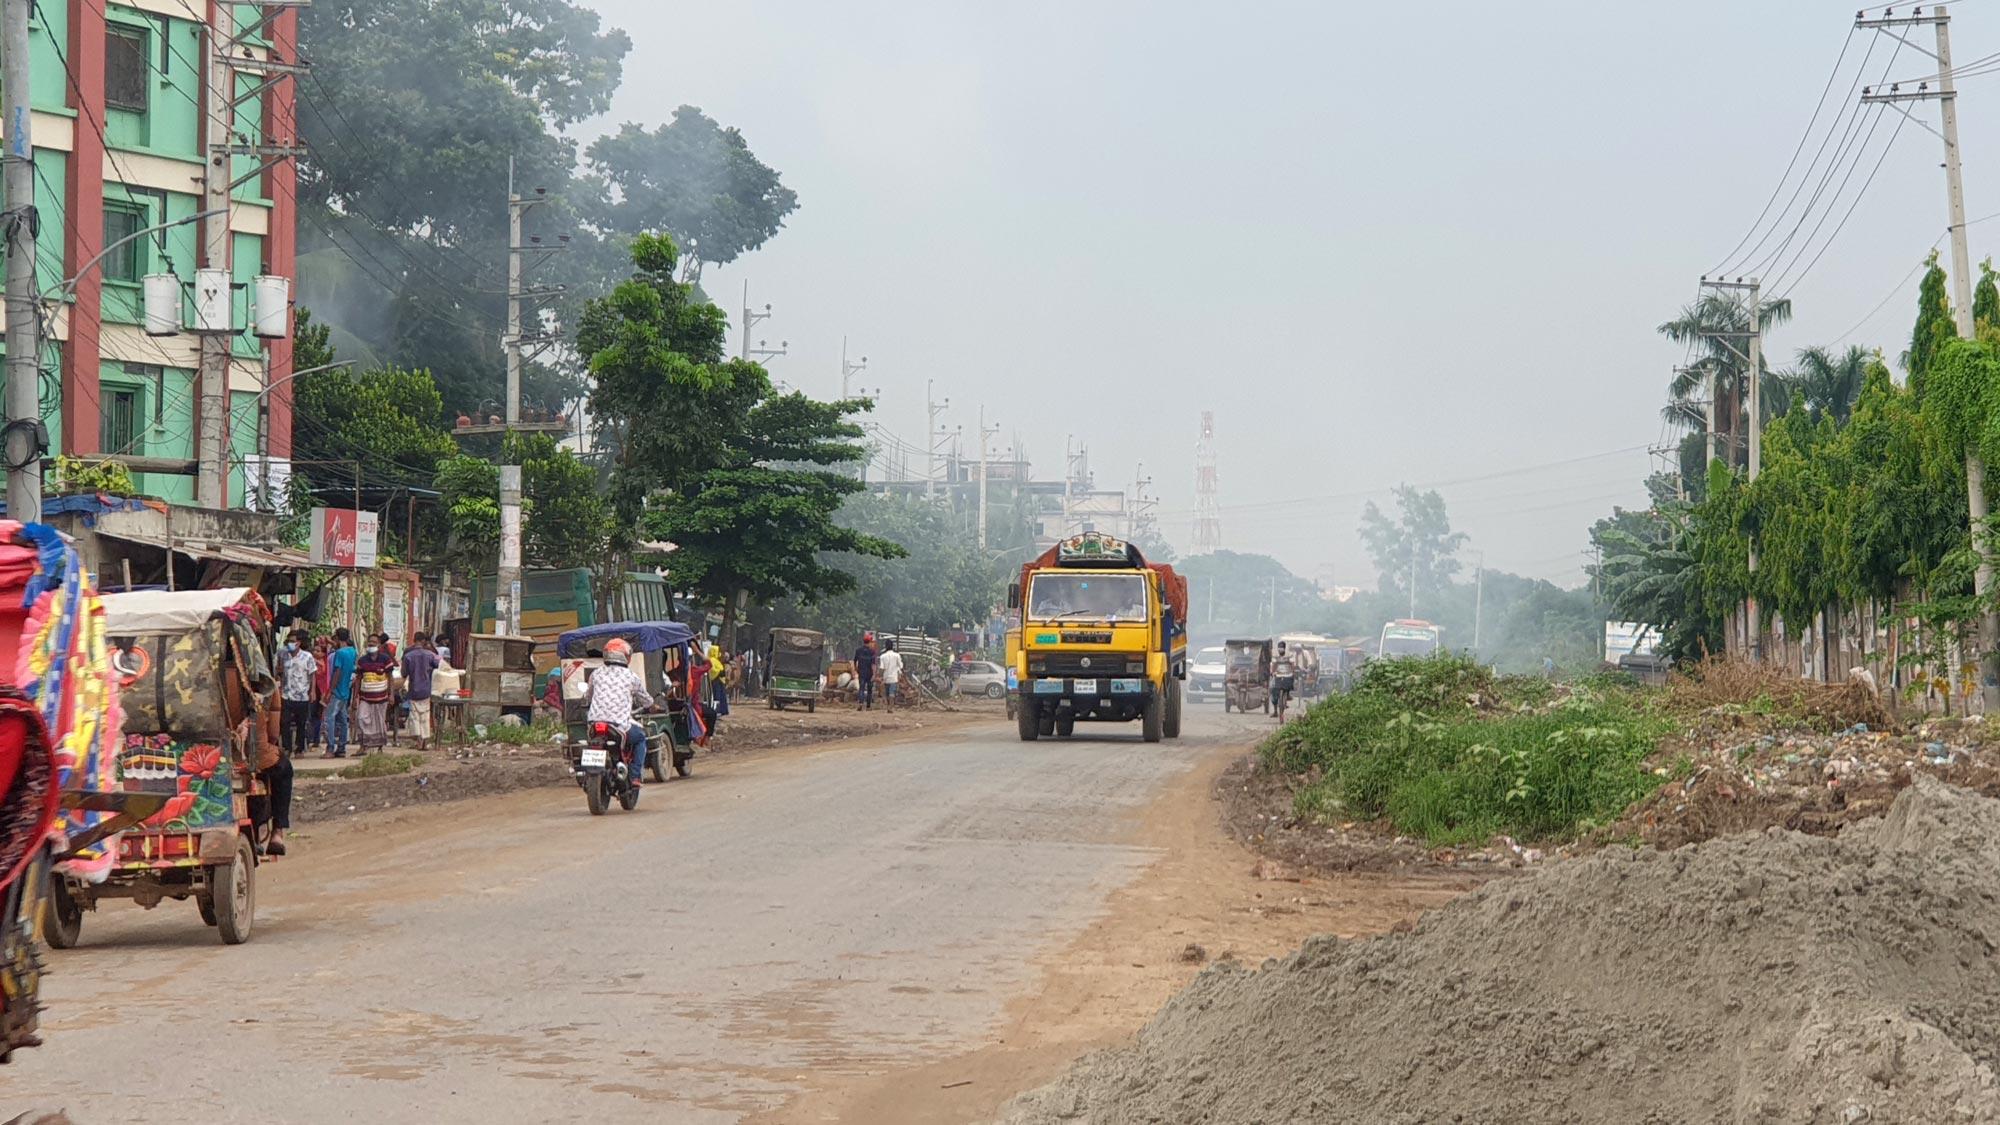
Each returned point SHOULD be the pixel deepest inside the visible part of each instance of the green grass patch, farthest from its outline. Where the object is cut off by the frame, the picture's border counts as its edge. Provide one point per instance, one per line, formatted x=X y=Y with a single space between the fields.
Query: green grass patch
x=539 y=732
x=382 y=765
x=1448 y=753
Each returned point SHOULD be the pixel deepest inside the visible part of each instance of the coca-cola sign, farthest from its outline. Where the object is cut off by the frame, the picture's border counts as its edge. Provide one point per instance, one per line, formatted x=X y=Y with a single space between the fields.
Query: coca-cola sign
x=343 y=537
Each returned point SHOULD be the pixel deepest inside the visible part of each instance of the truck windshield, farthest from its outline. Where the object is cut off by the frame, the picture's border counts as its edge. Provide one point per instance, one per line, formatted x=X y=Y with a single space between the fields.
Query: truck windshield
x=1410 y=643
x=1088 y=597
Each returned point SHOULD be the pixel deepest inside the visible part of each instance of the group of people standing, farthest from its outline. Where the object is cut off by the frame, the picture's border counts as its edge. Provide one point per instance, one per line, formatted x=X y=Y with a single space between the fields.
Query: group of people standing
x=331 y=689
x=869 y=663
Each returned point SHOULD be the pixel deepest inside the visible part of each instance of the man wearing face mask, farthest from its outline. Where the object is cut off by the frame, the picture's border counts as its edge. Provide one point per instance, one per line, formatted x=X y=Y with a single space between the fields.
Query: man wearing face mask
x=296 y=670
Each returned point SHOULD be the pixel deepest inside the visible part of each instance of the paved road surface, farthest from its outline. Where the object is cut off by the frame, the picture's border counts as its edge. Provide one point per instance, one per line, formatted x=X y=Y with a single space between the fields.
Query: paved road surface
x=520 y=961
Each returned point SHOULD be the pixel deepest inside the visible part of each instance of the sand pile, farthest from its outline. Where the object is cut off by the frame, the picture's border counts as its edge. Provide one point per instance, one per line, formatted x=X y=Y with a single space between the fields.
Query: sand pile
x=1768 y=978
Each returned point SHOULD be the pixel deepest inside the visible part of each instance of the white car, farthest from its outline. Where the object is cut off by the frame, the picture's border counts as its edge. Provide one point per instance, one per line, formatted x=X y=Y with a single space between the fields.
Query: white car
x=1205 y=674
x=981 y=677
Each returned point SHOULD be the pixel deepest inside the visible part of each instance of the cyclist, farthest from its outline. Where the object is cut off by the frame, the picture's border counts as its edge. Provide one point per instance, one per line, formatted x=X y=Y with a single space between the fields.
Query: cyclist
x=1284 y=669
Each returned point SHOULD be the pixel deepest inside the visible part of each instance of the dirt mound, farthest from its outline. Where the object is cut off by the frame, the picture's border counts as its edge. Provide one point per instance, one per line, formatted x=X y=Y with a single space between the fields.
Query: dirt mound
x=1767 y=978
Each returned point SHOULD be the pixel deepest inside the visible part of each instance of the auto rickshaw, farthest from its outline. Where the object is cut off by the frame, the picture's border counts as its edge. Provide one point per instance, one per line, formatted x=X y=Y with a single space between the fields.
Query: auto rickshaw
x=662 y=656
x=190 y=668
x=794 y=660
x=1246 y=683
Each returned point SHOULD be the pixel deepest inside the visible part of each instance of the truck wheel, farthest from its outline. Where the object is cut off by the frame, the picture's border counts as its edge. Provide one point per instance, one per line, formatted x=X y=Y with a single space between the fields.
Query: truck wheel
x=1153 y=719
x=1172 y=723
x=1030 y=724
x=1065 y=725
x=62 y=924
x=233 y=889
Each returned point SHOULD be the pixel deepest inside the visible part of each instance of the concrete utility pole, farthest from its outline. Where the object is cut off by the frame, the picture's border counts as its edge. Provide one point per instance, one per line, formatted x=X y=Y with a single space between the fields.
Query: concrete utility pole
x=212 y=397
x=1946 y=95
x=24 y=410
x=1751 y=354
x=984 y=434
x=849 y=370
x=752 y=317
x=1478 y=599
x=934 y=437
x=507 y=599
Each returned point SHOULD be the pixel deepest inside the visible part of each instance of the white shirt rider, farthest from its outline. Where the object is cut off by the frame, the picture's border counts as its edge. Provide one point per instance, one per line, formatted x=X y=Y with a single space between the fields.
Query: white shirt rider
x=615 y=693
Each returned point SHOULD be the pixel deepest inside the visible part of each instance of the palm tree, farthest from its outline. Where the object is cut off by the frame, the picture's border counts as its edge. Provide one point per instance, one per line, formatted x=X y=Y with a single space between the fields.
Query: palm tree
x=1714 y=326
x=1828 y=385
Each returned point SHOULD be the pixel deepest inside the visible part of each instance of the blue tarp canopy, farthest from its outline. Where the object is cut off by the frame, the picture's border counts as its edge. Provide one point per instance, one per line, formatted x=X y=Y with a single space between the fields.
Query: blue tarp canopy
x=644 y=636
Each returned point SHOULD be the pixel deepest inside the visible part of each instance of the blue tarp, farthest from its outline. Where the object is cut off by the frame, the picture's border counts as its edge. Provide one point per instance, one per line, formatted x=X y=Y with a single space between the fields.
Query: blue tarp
x=645 y=636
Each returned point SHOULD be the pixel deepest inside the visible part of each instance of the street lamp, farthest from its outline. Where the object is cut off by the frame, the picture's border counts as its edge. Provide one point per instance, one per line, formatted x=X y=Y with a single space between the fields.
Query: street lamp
x=264 y=428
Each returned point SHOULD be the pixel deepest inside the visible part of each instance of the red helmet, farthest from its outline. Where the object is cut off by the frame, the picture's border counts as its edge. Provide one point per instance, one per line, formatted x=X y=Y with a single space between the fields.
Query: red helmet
x=617 y=650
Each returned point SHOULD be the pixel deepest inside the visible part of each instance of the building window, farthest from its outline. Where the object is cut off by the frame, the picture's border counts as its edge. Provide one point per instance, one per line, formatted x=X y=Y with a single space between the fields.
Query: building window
x=126 y=262
x=125 y=69
x=119 y=430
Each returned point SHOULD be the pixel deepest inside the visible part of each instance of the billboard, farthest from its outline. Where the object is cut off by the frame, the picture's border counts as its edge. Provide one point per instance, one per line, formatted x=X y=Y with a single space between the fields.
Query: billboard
x=343 y=537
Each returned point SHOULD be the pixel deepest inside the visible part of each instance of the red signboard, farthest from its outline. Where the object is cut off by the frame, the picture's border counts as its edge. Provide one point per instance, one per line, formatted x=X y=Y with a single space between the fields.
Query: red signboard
x=343 y=537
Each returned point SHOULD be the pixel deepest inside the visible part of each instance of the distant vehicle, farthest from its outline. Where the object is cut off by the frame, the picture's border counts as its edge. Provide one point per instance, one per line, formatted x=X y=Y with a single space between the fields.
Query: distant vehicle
x=1410 y=637
x=1206 y=673
x=982 y=677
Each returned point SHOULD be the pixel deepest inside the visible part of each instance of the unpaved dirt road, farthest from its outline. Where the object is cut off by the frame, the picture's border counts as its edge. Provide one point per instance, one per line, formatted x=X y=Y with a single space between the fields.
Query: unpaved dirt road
x=834 y=934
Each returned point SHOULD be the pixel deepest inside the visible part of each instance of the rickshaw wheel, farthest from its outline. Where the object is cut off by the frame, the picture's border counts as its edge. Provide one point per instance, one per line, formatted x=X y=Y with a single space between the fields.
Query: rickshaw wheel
x=681 y=766
x=773 y=704
x=654 y=767
x=233 y=891
x=812 y=705
x=62 y=918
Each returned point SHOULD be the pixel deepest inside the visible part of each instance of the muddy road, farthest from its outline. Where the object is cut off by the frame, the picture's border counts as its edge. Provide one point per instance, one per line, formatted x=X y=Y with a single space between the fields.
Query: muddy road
x=799 y=936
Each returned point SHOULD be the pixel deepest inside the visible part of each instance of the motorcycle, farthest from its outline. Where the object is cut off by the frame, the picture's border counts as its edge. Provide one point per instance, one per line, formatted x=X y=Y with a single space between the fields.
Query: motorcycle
x=604 y=770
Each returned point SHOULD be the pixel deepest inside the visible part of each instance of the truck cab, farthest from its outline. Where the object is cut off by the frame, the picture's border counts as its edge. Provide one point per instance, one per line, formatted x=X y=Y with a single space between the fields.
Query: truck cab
x=1103 y=639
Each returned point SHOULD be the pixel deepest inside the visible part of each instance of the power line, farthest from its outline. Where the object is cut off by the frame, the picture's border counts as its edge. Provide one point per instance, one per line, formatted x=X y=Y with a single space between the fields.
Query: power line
x=1796 y=150
x=1852 y=204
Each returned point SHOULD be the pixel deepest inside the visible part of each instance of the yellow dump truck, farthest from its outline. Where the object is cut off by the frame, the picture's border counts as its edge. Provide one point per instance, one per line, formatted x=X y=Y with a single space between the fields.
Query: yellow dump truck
x=1103 y=639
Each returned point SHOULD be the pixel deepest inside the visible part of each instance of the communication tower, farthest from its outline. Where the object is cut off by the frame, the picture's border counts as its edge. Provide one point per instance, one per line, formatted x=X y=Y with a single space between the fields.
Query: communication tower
x=1207 y=514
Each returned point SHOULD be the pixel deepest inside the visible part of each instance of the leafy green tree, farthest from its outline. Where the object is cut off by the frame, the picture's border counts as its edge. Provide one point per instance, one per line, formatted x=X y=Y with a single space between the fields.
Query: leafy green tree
x=1418 y=544
x=694 y=179
x=564 y=521
x=943 y=582
x=1934 y=325
x=1827 y=385
x=763 y=524
x=1713 y=326
x=386 y=425
x=1986 y=299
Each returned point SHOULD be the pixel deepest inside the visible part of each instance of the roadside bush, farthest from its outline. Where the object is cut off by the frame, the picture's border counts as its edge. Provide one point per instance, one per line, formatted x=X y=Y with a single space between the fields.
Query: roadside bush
x=1447 y=754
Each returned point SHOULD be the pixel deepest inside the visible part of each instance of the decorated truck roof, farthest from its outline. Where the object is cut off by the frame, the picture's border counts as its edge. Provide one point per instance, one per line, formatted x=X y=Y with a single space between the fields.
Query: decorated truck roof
x=1095 y=550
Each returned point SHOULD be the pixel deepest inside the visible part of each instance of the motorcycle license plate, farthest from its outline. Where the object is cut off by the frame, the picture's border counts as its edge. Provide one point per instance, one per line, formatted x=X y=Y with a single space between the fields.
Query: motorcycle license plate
x=593 y=757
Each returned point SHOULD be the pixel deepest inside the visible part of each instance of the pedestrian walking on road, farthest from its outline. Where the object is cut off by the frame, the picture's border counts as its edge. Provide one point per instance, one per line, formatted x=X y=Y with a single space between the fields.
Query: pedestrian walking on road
x=371 y=693
x=892 y=673
x=297 y=669
x=340 y=703
x=419 y=665
x=322 y=650
x=864 y=673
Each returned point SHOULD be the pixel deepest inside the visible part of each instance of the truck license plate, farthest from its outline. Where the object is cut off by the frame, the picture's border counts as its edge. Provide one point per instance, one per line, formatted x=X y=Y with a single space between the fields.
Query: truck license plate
x=593 y=757
x=1084 y=687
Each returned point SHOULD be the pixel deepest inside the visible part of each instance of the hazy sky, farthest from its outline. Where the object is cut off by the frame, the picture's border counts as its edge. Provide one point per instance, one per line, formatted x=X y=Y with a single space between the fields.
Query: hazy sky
x=1383 y=242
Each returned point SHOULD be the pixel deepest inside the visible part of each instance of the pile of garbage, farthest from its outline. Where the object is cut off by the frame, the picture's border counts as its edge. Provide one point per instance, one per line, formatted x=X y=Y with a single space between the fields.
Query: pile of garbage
x=1774 y=976
x=1734 y=771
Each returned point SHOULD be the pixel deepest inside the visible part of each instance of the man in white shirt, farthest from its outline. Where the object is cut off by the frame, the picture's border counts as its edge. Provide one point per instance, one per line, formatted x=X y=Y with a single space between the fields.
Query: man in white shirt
x=615 y=693
x=890 y=667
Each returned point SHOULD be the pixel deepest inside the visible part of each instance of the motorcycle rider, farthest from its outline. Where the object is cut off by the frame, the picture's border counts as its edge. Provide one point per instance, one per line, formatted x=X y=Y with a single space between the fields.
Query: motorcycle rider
x=615 y=694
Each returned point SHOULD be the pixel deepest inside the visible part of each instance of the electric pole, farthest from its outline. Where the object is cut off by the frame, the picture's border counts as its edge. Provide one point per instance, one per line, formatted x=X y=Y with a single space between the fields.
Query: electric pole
x=24 y=410
x=751 y=317
x=213 y=281
x=849 y=370
x=1946 y=95
x=1478 y=599
x=933 y=437
x=984 y=433
x=507 y=597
